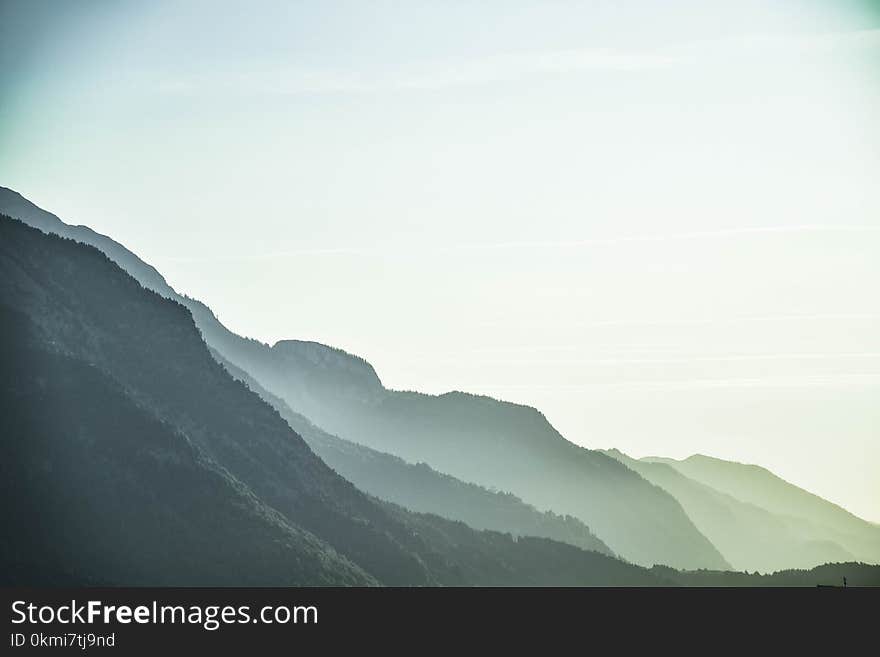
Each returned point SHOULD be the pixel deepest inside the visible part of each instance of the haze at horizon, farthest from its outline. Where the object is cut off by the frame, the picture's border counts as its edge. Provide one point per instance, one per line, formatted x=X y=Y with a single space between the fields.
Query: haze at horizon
x=658 y=227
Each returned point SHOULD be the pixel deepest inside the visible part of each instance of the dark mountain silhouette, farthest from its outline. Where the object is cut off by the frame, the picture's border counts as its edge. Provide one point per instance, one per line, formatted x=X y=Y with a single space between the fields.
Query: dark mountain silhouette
x=831 y=574
x=476 y=439
x=420 y=488
x=15 y=205
x=107 y=493
x=758 y=486
x=157 y=467
x=749 y=537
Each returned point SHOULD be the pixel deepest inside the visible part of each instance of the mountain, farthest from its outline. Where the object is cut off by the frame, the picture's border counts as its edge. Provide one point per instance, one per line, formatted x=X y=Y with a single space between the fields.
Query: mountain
x=831 y=574
x=758 y=486
x=487 y=442
x=420 y=488
x=749 y=537
x=135 y=458
x=107 y=493
x=17 y=206
x=476 y=439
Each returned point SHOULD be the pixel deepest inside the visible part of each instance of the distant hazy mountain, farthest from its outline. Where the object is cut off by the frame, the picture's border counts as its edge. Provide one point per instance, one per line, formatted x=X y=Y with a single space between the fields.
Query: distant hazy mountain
x=476 y=439
x=134 y=457
x=760 y=487
x=749 y=537
x=488 y=442
x=420 y=488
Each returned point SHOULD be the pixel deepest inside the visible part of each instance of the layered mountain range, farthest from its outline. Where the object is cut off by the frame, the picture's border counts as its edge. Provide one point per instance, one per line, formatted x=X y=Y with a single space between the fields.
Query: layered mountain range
x=136 y=458
x=476 y=439
x=147 y=429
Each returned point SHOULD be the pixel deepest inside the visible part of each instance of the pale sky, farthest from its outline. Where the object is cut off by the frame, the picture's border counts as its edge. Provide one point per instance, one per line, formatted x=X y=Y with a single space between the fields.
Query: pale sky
x=658 y=222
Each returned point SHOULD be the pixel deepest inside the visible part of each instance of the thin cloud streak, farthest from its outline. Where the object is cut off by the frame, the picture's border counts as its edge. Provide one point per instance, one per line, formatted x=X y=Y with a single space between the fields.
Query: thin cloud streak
x=683 y=359
x=536 y=244
x=715 y=320
x=674 y=237
x=691 y=384
x=424 y=76
x=502 y=67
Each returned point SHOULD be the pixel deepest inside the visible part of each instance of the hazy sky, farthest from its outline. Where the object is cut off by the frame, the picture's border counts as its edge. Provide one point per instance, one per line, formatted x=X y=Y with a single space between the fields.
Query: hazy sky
x=658 y=222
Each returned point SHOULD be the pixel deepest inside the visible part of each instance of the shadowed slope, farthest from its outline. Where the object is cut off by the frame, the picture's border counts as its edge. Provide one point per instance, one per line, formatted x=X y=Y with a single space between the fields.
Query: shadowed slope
x=107 y=493
x=497 y=444
x=420 y=488
x=476 y=439
x=114 y=376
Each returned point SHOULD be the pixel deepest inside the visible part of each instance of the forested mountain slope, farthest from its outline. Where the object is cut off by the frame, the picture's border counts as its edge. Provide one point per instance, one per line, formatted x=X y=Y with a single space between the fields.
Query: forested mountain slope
x=476 y=439
x=420 y=488
x=120 y=423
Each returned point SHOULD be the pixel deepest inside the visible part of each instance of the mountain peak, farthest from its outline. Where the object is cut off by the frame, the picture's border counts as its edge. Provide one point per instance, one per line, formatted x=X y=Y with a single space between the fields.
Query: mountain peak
x=329 y=359
x=14 y=205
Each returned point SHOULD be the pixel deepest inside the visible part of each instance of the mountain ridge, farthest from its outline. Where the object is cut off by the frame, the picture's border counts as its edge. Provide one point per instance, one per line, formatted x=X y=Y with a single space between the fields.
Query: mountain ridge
x=755 y=484
x=318 y=369
x=647 y=529
x=420 y=488
x=63 y=299
x=748 y=535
